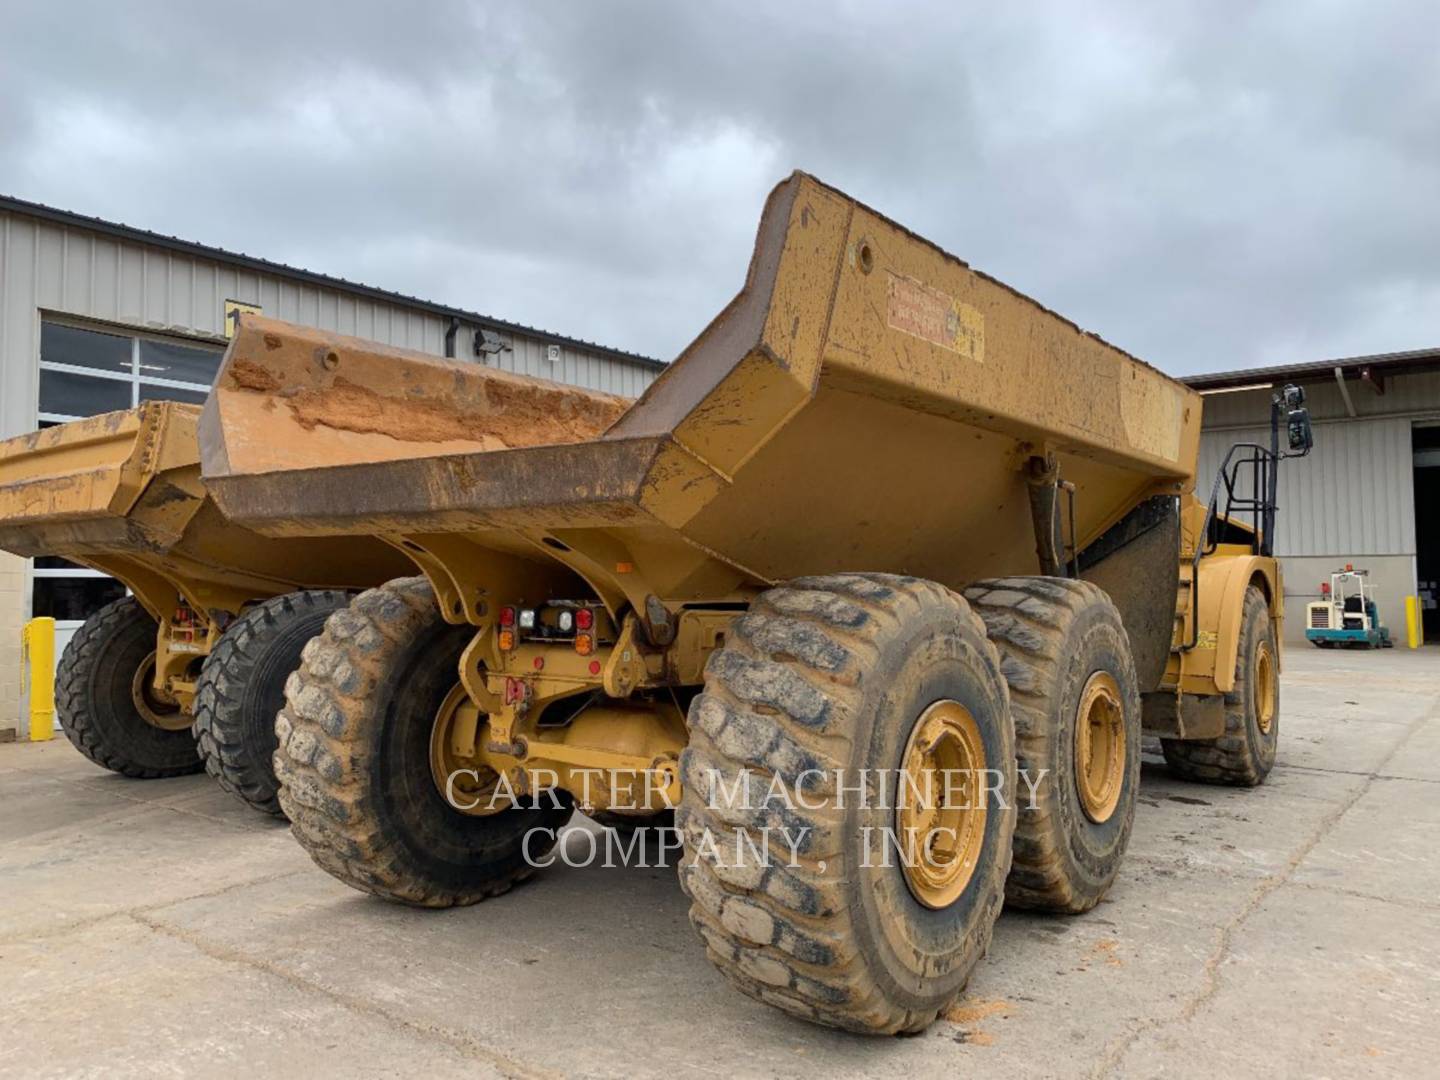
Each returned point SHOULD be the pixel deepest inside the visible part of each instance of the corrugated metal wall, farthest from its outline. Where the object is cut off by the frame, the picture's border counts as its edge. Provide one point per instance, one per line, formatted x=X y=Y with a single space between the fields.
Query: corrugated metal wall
x=528 y=356
x=1354 y=495
x=47 y=266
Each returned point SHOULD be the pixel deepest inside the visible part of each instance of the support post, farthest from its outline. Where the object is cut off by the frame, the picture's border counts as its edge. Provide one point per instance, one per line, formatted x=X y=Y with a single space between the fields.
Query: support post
x=37 y=674
x=1414 y=629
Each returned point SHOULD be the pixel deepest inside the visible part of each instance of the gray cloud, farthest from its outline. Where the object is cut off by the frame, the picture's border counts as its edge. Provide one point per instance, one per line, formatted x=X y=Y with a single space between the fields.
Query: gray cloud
x=1208 y=185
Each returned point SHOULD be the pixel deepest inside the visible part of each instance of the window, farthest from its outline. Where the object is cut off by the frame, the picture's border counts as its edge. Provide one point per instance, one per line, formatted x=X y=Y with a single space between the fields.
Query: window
x=63 y=393
x=87 y=371
x=84 y=371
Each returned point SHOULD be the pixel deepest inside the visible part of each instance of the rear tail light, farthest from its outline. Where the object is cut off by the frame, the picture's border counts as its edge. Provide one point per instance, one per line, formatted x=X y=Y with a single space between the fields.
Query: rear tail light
x=507 y=616
x=584 y=619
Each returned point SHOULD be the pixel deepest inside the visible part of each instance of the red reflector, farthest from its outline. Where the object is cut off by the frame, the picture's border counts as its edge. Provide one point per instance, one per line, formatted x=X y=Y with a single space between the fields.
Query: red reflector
x=584 y=619
x=507 y=616
x=594 y=667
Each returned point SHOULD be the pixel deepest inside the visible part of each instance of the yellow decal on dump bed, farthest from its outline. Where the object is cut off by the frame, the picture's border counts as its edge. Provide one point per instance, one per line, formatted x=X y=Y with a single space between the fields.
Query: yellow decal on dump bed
x=931 y=315
x=234 y=309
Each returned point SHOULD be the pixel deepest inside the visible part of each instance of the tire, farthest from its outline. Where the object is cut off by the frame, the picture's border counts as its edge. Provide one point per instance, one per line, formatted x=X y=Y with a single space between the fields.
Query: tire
x=242 y=687
x=94 y=701
x=825 y=674
x=353 y=760
x=1245 y=754
x=1054 y=635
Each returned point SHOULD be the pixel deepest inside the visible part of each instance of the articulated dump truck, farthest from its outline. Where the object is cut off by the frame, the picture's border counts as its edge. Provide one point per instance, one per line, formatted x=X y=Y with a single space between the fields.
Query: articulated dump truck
x=217 y=616
x=891 y=560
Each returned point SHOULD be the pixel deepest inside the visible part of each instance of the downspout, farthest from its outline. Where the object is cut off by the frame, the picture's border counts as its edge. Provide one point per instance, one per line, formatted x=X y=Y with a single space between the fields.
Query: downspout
x=1344 y=391
x=454 y=328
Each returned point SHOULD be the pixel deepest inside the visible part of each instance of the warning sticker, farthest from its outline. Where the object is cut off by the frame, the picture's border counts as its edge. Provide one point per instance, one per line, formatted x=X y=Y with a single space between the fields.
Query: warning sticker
x=915 y=308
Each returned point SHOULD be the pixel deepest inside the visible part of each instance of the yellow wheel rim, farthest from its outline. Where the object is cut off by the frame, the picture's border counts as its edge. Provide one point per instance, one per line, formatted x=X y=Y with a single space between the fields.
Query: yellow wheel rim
x=464 y=783
x=165 y=715
x=940 y=814
x=1265 y=687
x=1100 y=747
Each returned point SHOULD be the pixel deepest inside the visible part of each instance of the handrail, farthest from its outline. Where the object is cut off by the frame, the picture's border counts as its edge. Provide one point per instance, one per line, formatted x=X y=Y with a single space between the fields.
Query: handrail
x=1287 y=403
x=1263 y=460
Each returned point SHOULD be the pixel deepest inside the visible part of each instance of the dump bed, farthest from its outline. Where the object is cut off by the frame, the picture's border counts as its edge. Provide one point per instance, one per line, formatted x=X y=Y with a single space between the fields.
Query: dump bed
x=122 y=493
x=70 y=489
x=867 y=402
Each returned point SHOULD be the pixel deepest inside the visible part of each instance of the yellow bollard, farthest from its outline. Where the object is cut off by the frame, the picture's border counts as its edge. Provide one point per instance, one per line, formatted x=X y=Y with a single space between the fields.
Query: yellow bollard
x=1414 y=628
x=37 y=661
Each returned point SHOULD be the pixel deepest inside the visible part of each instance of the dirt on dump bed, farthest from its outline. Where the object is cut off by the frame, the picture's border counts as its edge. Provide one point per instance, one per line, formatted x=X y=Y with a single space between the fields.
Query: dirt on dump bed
x=516 y=413
x=248 y=375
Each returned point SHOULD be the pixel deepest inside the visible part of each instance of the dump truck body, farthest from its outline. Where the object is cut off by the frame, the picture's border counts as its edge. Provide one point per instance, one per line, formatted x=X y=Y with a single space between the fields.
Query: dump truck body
x=755 y=570
x=121 y=493
x=866 y=400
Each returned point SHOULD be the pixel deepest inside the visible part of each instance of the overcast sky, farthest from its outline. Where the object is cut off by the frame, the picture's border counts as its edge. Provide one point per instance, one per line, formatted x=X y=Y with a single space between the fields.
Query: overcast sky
x=1208 y=185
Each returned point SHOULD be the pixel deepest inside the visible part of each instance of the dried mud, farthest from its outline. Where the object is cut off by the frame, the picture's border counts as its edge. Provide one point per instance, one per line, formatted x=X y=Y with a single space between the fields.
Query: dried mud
x=515 y=413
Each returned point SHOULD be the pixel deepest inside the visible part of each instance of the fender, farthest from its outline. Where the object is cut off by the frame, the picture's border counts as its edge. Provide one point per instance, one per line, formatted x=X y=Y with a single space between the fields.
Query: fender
x=1224 y=578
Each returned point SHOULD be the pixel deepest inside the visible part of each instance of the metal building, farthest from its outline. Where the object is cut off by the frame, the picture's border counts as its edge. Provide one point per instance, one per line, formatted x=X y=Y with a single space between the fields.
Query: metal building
x=1368 y=494
x=97 y=316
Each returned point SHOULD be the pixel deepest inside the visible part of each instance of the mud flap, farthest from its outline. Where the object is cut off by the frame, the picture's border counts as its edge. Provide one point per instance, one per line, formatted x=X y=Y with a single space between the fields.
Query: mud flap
x=1137 y=563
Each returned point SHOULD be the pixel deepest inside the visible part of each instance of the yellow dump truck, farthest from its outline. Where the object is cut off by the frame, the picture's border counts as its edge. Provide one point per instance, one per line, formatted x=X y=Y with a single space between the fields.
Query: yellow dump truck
x=886 y=524
x=217 y=615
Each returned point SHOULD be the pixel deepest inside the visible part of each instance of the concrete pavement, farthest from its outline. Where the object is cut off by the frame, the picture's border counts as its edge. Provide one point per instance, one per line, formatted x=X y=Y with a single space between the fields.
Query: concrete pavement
x=159 y=928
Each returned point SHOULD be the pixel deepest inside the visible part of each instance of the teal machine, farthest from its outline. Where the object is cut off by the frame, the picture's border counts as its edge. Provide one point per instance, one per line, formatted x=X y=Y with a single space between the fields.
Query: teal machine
x=1346 y=614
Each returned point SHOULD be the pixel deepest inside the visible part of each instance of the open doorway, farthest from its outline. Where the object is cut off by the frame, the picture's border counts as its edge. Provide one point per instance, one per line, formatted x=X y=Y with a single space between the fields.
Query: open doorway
x=1426 y=443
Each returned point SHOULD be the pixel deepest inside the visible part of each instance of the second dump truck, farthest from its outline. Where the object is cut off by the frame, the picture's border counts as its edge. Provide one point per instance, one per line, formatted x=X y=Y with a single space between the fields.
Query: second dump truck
x=891 y=557
x=216 y=615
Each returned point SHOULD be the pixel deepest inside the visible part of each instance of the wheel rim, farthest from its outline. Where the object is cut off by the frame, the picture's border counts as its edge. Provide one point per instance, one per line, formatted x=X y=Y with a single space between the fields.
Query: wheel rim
x=1100 y=747
x=1265 y=687
x=165 y=715
x=939 y=818
x=457 y=726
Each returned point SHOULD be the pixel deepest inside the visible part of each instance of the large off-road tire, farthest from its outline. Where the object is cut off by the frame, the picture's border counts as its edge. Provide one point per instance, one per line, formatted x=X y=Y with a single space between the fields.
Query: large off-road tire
x=1245 y=754
x=242 y=687
x=95 y=697
x=1064 y=652
x=353 y=760
x=842 y=673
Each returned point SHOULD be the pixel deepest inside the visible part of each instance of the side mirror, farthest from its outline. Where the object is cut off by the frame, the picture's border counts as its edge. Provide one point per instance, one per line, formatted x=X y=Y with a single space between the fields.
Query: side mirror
x=1297 y=427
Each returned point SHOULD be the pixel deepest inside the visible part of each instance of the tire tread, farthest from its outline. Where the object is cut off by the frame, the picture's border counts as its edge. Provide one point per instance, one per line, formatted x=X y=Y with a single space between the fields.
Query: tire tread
x=72 y=697
x=220 y=723
x=777 y=702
